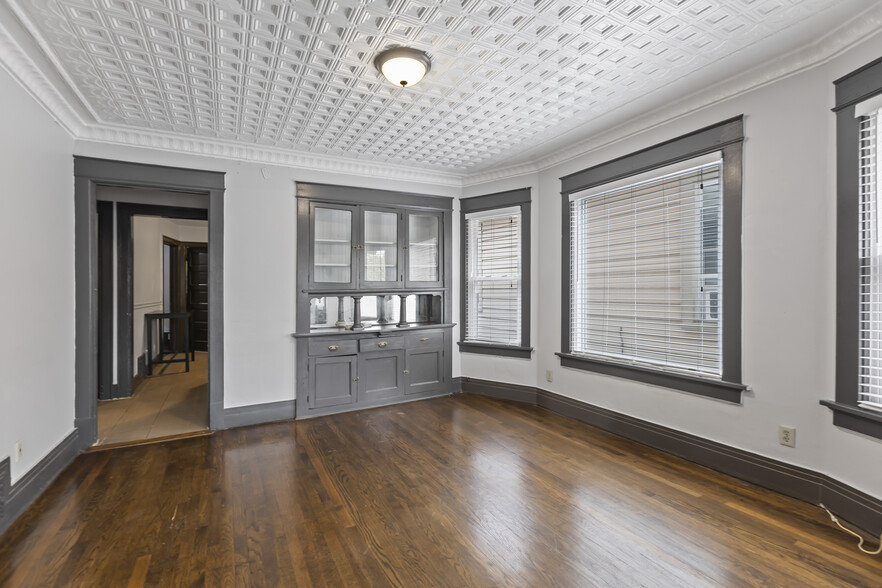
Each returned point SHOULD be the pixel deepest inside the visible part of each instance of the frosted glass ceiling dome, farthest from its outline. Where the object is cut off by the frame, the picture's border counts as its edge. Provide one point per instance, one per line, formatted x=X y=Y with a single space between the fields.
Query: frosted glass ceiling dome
x=403 y=66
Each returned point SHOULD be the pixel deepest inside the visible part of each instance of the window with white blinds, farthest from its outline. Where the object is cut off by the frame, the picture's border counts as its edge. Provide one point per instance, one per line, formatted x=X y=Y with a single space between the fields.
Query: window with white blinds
x=646 y=270
x=493 y=276
x=870 y=243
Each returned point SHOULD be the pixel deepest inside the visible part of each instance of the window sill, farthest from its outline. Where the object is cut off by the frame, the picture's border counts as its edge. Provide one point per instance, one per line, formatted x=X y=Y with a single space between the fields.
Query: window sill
x=855 y=418
x=726 y=391
x=495 y=349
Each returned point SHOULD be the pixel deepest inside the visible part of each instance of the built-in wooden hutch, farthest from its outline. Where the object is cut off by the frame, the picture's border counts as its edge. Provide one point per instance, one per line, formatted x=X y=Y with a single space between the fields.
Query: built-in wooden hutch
x=374 y=306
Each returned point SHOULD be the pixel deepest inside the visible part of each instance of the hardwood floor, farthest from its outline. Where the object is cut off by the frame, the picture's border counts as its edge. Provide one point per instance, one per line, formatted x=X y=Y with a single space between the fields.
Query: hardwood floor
x=170 y=402
x=457 y=491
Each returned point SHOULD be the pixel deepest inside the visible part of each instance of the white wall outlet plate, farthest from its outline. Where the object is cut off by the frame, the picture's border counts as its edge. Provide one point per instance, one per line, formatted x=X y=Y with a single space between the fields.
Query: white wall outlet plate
x=787 y=436
x=16 y=455
x=549 y=376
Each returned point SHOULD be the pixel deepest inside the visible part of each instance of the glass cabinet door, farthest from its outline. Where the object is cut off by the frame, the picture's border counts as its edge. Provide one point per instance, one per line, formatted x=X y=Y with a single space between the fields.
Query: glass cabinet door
x=423 y=249
x=379 y=260
x=332 y=246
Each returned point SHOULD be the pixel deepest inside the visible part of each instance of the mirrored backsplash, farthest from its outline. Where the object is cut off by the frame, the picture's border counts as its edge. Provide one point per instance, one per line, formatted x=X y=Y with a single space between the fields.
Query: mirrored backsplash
x=336 y=312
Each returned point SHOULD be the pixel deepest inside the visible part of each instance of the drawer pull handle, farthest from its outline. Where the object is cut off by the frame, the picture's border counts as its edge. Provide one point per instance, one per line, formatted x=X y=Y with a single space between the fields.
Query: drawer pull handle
x=382 y=344
x=405 y=371
x=333 y=347
x=424 y=339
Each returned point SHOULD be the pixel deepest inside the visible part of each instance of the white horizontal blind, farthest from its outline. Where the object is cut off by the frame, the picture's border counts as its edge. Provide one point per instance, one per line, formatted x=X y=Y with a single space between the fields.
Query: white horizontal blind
x=493 y=278
x=646 y=275
x=870 y=379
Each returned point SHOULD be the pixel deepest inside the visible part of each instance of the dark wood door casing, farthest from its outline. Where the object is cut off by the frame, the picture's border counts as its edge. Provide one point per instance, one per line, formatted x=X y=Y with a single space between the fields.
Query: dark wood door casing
x=197 y=293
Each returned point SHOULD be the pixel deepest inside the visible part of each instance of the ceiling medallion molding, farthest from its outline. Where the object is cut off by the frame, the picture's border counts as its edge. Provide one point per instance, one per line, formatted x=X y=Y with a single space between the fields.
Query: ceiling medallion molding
x=825 y=49
x=254 y=154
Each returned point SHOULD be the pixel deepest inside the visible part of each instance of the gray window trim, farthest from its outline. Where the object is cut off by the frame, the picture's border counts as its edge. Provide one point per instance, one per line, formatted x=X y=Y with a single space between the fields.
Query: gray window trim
x=851 y=89
x=726 y=137
x=520 y=197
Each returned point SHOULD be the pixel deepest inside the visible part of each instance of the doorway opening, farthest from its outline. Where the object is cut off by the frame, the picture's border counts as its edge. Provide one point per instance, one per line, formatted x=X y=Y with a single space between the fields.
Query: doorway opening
x=154 y=313
x=110 y=198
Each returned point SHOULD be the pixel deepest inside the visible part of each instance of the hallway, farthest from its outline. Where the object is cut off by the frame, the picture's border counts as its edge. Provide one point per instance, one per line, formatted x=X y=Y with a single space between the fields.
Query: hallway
x=171 y=402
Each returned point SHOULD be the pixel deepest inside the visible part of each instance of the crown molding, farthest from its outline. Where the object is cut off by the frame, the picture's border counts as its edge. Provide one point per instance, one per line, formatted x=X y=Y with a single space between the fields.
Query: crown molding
x=828 y=47
x=17 y=51
x=221 y=149
x=21 y=54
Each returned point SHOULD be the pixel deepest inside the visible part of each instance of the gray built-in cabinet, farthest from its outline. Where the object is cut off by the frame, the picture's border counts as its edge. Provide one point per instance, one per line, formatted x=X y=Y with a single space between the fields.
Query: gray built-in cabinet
x=374 y=314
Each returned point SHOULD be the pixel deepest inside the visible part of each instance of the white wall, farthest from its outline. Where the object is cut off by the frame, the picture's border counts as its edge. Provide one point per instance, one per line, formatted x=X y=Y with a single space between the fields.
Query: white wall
x=189 y=231
x=37 y=265
x=788 y=284
x=146 y=280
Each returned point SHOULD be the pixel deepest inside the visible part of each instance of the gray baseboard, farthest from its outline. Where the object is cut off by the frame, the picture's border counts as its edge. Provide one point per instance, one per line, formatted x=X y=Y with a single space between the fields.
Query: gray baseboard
x=4 y=493
x=455 y=385
x=500 y=390
x=256 y=414
x=87 y=432
x=15 y=499
x=860 y=509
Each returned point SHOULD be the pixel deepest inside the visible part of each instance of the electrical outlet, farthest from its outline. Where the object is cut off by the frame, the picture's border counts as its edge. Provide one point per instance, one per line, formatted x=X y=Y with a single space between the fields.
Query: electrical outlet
x=549 y=377
x=787 y=436
x=17 y=453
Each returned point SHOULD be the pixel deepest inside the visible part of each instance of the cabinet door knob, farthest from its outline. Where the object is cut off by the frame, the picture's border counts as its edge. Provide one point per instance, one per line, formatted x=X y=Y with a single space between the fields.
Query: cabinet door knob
x=355 y=379
x=405 y=371
x=382 y=344
x=333 y=347
x=424 y=339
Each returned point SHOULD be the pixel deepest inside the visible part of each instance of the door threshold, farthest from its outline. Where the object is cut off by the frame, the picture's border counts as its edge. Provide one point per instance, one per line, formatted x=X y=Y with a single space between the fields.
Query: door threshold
x=154 y=440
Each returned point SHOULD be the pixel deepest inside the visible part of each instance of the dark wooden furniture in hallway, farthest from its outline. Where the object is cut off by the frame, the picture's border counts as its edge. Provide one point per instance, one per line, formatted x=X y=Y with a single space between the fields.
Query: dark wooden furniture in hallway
x=184 y=319
x=454 y=491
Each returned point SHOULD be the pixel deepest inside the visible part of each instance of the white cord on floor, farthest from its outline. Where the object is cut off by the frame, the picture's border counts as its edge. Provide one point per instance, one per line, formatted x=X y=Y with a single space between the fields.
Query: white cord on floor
x=850 y=532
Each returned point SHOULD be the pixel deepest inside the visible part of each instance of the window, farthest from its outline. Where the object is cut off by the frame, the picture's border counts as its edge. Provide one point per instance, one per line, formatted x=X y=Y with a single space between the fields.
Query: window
x=496 y=284
x=653 y=265
x=870 y=254
x=858 y=253
x=645 y=285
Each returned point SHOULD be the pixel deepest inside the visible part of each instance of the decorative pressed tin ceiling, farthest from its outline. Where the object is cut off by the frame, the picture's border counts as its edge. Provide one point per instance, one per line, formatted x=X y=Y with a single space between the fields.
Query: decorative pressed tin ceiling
x=299 y=75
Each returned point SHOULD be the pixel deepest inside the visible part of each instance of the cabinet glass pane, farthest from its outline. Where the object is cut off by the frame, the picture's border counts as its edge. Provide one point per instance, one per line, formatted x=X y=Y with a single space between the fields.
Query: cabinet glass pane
x=380 y=246
x=333 y=245
x=423 y=248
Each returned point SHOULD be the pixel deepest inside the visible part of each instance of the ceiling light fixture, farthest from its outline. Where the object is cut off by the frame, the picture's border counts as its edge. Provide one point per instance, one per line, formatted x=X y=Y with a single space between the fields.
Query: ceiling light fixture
x=403 y=66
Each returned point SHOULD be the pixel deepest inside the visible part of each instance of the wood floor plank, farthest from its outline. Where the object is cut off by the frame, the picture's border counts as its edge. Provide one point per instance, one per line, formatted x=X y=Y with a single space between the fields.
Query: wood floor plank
x=457 y=491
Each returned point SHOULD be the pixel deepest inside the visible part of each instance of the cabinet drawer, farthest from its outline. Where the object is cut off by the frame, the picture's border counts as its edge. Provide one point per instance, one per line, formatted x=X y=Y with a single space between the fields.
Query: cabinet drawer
x=381 y=343
x=333 y=347
x=425 y=339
